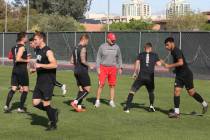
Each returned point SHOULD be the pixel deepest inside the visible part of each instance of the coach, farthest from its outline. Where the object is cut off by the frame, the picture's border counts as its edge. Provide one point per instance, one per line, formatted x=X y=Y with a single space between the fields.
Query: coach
x=108 y=62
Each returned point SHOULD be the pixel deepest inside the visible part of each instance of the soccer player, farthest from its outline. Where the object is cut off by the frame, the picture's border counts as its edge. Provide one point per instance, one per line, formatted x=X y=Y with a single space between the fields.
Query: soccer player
x=108 y=62
x=184 y=77
x=46 y=65
x=146 y=62
x=19 y=76
x=79 y=59
x=58 y=84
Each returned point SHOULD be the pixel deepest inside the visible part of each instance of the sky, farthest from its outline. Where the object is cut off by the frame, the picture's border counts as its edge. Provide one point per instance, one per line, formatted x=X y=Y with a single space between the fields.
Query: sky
x=158 y=6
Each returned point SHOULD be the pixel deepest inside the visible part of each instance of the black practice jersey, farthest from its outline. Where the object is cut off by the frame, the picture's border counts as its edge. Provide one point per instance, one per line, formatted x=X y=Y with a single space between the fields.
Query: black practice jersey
x=147 y=63
x=44 y=75
x=24 y=56
x=177 y=54
x=79 y=66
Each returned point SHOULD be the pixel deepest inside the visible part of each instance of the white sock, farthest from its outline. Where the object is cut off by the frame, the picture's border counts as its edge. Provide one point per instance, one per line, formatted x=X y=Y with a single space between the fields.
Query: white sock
x=75 y=101
x=97 y=101
x=176 y=110
x=79 y=106
x=204 y=103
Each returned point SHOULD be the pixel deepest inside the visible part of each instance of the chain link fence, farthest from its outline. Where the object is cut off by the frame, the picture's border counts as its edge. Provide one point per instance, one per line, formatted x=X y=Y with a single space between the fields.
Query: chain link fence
x=195 y=46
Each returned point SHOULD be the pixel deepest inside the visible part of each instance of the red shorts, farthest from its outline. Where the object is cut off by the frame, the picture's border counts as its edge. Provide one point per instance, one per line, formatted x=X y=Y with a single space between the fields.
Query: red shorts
x=109 y=72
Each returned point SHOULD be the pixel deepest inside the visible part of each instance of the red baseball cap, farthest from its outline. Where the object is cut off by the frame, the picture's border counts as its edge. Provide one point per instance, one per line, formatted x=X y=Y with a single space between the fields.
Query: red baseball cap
x=111 y=36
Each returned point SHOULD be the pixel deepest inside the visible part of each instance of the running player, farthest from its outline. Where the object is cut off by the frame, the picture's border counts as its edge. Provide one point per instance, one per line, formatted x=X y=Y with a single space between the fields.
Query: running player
x=79 y=59
x=19 y=76
x=146 y=62
x=184 y=77
x=108 y=62
x=46 y=76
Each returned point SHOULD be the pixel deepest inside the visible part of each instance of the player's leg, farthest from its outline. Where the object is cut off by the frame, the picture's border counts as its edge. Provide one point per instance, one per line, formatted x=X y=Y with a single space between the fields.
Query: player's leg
x=101 y=78
x=150 y=88
x=37 y=99
x=112 y=79
x=134 y=88
x=62 y=86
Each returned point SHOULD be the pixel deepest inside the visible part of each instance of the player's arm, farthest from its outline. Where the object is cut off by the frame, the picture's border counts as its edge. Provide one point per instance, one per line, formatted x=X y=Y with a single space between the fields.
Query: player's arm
x=72 y=59
x=83 y=58
x=98 y=59
x=19 y=55
x=136 y=68
x=52 y=60
x=179 y=63
x=119 y=60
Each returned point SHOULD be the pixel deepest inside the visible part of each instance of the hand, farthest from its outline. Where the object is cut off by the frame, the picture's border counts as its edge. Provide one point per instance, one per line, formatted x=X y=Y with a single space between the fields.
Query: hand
x=167 y=66
x=91 y=67
x=98 y=70
x=37 y=65
x=28 y=60
x=32 y=70
x=134 y=75
x=120 y=71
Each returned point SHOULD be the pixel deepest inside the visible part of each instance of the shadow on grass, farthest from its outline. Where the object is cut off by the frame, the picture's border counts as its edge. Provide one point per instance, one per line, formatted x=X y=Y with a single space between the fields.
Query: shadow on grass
x=38 y=120
x=93 y=99
x=15 y=106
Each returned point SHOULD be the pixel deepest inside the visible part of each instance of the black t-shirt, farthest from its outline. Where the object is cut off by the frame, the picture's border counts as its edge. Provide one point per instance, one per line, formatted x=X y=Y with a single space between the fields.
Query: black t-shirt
x=181 y=70
x=44 y=75
x=79 y=67
x=14 y=50
x=147 y=63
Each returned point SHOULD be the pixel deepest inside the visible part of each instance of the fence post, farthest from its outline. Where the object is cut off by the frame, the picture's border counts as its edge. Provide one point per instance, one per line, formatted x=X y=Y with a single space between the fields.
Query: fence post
x=47 y=38
x=3 y=48
x=180 y=40
x=105 y=33
x=75 y=38
x=140 y=41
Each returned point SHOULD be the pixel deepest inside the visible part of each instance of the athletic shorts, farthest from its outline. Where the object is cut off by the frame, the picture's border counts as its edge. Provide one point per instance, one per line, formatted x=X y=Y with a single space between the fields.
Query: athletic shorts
x=83 y=79
x=139 y=82
x=43 y=92
x=20 y=78
x=187 y=81
x=109 y=72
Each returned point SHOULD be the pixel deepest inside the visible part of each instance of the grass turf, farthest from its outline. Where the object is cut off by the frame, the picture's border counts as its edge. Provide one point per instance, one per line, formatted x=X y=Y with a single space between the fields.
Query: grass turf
x=105 y=122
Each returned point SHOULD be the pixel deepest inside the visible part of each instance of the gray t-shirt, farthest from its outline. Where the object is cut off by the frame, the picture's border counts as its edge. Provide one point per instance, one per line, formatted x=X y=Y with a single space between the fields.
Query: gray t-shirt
x=109 y=56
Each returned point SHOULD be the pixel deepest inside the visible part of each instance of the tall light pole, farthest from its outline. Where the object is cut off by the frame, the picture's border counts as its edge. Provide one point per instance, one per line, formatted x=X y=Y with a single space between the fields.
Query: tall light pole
x=108 y=15
x=5 y=24
x=28 y=14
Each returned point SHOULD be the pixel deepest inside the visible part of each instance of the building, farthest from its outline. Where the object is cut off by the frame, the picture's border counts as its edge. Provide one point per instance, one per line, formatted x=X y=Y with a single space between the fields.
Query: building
x=177 y=8
x=136 y=9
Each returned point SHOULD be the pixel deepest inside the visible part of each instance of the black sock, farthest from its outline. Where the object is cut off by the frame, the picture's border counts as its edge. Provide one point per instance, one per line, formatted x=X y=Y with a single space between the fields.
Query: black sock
x=129 y=100
x=50 y=113
x=40 y=106
x=151 y=98
x=23 y=99
x=176 y=101
x=198 y=98
x=9 y=97
x=81 y=96
x=58 y=84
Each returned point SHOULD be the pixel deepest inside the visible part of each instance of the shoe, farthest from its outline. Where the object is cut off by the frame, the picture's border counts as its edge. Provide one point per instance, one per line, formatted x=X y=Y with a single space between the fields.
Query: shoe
x=205 y=108
x=51 y=127
x=80 y=110
x=97 y=103
x=112 y=104
x=64 y=89
x=126 y=110
x=152 y=109
x=19 y=110
x=74 y=105
x=7 y=109
x=173 y=115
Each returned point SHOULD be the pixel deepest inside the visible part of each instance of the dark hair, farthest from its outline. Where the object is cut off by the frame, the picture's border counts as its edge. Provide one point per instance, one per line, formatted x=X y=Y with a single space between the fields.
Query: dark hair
x=41 y=35
x=148 y=44
x=20 y=36
x=31 y=39
x=169 y=39
x=84 y=36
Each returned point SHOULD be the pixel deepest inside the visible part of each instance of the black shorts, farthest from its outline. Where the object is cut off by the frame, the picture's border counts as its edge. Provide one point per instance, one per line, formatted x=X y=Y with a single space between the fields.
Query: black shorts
x=44 y=92
x=139 y=82
x=83 y=79
x=186 y=80
x=20 y=78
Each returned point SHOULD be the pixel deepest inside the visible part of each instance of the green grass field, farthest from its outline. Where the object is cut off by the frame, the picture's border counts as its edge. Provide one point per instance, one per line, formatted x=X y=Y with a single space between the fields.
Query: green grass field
x=106 y=123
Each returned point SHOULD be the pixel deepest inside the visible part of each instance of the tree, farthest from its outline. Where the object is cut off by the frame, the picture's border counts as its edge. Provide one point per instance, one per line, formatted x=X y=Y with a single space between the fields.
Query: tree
x=187 y=22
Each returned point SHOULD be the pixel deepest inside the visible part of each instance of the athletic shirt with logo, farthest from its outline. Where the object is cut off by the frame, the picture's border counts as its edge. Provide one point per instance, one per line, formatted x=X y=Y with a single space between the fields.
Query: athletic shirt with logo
x=44 y=75
x=19 y=65
x=78 y=66
x=147 y=64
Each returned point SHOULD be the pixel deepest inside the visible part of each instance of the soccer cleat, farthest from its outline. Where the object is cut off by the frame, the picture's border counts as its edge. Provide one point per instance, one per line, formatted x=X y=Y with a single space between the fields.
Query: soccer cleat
x=7 y=109
x=126 y=110
x=173 y=115
x=51 y=127
x=19 y=110
x=152 y=109
x=97 y=104
x=74 y=105
x=112 y=104
x=80 y=110
x=64 y=89
x=205 y=108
